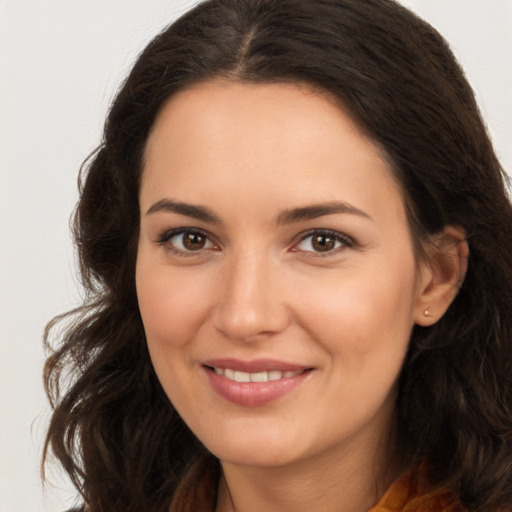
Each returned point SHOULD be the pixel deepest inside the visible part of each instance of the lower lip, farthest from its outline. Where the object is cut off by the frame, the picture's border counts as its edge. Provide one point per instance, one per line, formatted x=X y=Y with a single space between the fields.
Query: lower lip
x=253 y=394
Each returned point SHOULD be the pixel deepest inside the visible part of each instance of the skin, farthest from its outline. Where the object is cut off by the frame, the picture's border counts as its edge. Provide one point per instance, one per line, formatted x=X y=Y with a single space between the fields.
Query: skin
x=259 y=287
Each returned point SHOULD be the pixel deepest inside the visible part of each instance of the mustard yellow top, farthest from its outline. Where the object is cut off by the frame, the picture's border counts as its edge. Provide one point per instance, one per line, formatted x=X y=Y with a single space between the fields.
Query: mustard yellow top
x=412 y=493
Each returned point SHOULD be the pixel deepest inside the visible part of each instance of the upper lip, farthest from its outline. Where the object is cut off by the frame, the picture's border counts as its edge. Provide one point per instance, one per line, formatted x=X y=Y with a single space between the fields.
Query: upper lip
x=255 y=366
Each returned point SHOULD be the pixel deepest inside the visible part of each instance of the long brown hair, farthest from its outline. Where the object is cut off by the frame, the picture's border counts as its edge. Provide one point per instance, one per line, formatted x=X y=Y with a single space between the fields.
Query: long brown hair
x=113 y=429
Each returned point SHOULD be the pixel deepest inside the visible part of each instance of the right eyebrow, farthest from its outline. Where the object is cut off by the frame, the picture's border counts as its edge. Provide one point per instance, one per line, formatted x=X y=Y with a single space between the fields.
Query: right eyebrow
x=189 y=210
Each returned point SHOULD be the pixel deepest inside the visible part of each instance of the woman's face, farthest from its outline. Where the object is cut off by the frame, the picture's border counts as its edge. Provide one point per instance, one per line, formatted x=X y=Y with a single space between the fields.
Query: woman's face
x=276 y=276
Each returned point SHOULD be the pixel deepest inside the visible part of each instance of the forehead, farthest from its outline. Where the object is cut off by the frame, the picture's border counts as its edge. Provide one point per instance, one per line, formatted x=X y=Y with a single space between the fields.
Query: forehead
x=263 y=140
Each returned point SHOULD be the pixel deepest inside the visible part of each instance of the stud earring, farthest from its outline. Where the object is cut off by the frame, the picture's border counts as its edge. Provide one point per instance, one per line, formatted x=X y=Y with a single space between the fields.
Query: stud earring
x=427 y=312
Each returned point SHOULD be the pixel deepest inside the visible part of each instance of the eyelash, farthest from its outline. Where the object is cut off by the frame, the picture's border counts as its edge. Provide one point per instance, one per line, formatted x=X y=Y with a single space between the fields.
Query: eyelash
x=344 y=240
x=165 y=238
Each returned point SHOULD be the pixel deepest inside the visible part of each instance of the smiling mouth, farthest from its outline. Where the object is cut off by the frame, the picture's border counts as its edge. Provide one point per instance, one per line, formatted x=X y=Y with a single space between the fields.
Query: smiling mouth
x=264 y=376
x=254 y=383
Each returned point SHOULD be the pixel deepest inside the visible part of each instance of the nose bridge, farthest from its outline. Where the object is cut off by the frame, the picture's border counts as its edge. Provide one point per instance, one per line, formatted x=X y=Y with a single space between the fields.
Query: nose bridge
x=250 y=303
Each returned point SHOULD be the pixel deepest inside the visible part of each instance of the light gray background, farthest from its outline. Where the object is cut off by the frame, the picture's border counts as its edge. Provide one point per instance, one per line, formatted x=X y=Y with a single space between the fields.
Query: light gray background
x=60 y=63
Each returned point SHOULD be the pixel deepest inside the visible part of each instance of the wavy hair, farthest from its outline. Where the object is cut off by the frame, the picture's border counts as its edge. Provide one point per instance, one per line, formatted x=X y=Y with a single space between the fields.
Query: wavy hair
x=113 y=429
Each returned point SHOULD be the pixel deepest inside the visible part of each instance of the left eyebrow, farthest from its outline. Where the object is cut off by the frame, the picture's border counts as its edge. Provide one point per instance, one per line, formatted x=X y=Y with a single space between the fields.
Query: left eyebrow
x=318 y=210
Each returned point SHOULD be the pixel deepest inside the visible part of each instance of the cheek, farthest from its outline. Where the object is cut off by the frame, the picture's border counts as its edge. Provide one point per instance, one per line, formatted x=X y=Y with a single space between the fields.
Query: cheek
x=367 y=315
x=172 y=303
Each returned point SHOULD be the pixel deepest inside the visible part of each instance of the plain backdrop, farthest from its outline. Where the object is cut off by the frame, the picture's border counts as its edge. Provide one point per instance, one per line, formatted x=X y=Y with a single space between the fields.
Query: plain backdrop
x=60 y=64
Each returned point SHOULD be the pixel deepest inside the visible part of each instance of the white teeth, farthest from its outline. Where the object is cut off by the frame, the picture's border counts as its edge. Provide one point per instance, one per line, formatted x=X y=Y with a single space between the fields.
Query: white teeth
x=242 y=377
x=239 y=376
x=259 y=377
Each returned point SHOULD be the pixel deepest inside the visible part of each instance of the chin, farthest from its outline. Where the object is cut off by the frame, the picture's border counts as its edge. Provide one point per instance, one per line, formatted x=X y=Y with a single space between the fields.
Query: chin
x=253 y=449
x=261 y=457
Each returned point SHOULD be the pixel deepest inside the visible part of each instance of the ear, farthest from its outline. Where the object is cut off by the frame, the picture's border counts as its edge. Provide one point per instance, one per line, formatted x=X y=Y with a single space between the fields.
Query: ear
x=441 y=274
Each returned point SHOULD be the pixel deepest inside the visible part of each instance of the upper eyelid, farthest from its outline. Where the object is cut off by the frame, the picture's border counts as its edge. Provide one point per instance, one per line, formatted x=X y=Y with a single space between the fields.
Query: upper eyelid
x=169 y=233
x=341 y=236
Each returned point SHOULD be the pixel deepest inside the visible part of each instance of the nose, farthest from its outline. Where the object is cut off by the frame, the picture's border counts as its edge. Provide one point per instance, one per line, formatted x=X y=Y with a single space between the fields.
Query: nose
x=252 y=302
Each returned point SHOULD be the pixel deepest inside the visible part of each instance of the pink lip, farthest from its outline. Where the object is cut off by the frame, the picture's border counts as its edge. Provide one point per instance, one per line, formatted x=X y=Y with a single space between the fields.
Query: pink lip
x=254 y=394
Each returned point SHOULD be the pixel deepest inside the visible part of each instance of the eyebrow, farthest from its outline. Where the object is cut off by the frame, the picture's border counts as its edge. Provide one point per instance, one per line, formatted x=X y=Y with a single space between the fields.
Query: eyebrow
x=288 y=216
x=190 y=210
x=318 y=210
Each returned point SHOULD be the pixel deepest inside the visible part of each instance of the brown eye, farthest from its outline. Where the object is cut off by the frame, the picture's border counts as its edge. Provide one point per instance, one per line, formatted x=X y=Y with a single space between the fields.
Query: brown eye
x=193 y=241
x=186 y=241
x=323 y=243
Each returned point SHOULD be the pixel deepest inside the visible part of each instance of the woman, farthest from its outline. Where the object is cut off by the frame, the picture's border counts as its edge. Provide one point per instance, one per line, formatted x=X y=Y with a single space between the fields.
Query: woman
x=295 y=237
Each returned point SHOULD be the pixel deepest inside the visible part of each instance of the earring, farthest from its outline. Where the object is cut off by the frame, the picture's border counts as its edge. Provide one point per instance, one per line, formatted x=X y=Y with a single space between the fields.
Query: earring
x=427 y=312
